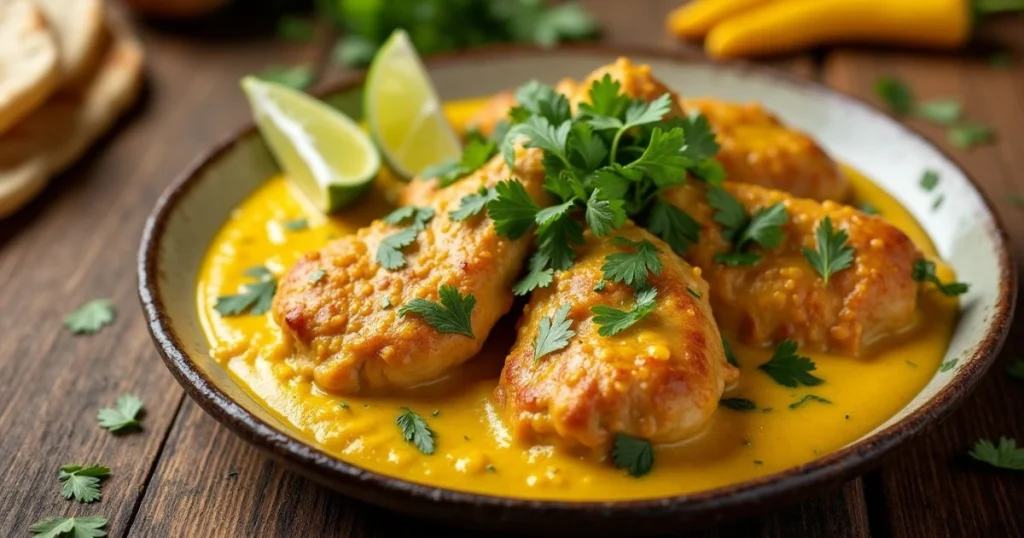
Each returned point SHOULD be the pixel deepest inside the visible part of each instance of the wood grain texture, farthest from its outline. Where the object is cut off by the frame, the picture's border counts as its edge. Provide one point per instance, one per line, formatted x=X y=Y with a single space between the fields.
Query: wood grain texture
x=78 y=241
x=932 y=488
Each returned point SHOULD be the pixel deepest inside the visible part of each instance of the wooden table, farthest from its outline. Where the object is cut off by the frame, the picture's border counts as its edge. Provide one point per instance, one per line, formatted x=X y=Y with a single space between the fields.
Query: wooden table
x=185 y=475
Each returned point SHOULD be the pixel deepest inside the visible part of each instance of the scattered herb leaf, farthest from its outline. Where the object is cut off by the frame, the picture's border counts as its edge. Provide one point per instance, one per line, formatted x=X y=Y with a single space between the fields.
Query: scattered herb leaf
x=895 y=94
x=948 y=365
x=730 y=355
x=553 y=333
x=389 y=251
x=612 y=321
x=473 y=204
x=123 y=416
x=296 y=225
x=316 y=276
x=789 y=369
x=74 y=527
x=82 y=483
x=868 y=209
x=634 y=454
x=91 y=317
x=452 y=315
x=416 y=431
x=924 y=271
x=255 y=298
x=632 y=268
x=832 y=253
x=941 y=111
x=808 y=398
x=929 y=180
x=968 y=135
x=738 y=404
x=693 y=293
x=1005 y=455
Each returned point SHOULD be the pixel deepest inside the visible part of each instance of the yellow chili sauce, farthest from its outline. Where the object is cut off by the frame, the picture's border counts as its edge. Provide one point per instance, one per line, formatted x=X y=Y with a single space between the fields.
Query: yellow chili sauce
x=474 y=452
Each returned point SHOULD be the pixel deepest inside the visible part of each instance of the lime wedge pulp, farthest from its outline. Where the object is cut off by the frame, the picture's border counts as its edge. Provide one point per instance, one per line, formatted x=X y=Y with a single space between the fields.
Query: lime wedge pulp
x=404 y=113
x=321 y=150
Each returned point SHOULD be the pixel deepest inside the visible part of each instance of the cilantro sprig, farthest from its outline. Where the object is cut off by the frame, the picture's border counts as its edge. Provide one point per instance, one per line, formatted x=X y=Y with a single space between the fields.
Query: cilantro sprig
x=553 y=333
x=633 y=454
x=831 y=254
x=415 y=430
x=763 y=228
x=81 y=482
x=453 y=314
x=256 y=298
x=1005 y=455
x=612 y=321
x=605 y=163
x=924 y=271
x=789 y=369
x=389 y=252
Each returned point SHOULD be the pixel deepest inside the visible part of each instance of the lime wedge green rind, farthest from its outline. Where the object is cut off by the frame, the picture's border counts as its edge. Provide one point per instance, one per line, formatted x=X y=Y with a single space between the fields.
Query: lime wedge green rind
x=321 y=150
x=403 y=110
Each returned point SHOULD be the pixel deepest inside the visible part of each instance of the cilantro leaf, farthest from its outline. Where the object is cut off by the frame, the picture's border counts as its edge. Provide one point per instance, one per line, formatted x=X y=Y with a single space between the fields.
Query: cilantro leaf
x=452 y=315
x=605 y=99
x=765 y=227
x=553 y=333
x=701 y=143
x=632 y=268
x=389 y=252
x=895 y=93
x=832 y=254
x=512 y=209
x=123 y=416
x=75 y=527
x=535 y=98
x=415 y=430
x=929 y=180
x=612 y=321
x=738 y=404
x=1005 y=455
x=256 y=298
x=556 y=238
x=473 y=204
x=924 y=271
x=789 y=369
x=672 y=225
x=588 y=149
x=632 y=453
x=82 y=483
x=1016 y=370
x=604 y=215
x=729 y=212
x=539 y=275
x=663 y=160
x=941 y=111
x=91 y=317
x=968 y=135
x=638 y=113
x=420 y=216
x=948 y=365
x=475 y=154
x=808 y=398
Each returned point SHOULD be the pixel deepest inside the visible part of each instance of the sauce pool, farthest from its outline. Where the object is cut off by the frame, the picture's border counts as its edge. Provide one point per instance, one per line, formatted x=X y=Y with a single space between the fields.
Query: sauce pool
x=474 y=452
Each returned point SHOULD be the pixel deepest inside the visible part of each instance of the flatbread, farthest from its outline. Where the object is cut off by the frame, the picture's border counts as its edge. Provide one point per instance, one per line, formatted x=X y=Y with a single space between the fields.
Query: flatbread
x=78 y=28
x=28 y=61
x=58 y=133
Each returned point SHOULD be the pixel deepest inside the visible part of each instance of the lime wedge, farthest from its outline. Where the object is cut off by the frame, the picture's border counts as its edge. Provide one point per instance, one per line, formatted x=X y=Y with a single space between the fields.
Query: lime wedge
x=321 y=150
x=404 y=112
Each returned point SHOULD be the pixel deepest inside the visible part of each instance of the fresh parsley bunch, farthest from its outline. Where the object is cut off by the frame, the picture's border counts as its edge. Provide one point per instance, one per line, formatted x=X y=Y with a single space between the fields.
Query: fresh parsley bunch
x=608 y=161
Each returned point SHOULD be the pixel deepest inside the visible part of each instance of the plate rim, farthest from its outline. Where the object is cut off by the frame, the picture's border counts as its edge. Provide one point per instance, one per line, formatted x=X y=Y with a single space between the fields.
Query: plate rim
x=832 y=468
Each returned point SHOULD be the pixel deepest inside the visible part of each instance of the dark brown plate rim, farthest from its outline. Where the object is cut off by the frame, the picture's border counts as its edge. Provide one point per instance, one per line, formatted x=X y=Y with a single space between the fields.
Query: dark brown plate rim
x=830 y=469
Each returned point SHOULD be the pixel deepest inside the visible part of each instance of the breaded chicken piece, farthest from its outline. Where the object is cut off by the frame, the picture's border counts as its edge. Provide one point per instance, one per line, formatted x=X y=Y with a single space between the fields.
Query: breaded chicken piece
x=783 y=297
x=757 y=148
x=345 y=325
x=660 y=379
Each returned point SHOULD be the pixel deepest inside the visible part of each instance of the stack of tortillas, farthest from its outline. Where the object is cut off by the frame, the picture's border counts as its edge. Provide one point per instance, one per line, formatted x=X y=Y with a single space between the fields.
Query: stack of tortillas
x=68 y=70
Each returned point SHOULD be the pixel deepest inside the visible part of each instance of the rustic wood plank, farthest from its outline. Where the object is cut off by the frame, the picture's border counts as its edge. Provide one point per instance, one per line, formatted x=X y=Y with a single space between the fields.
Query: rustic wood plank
x=77 y=242
x=932 y=488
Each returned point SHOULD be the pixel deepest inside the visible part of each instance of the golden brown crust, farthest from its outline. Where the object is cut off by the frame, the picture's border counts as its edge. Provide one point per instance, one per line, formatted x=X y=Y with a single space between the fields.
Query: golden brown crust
x=660 y=379
x=345 y=327
x=759 y=149
x=782 y=297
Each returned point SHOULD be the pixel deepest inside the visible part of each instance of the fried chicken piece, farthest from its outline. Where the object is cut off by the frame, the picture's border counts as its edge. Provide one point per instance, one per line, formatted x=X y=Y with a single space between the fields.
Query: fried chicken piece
x=783 y=297
x=345 y=326
x=660 y=379
x=757 y=148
